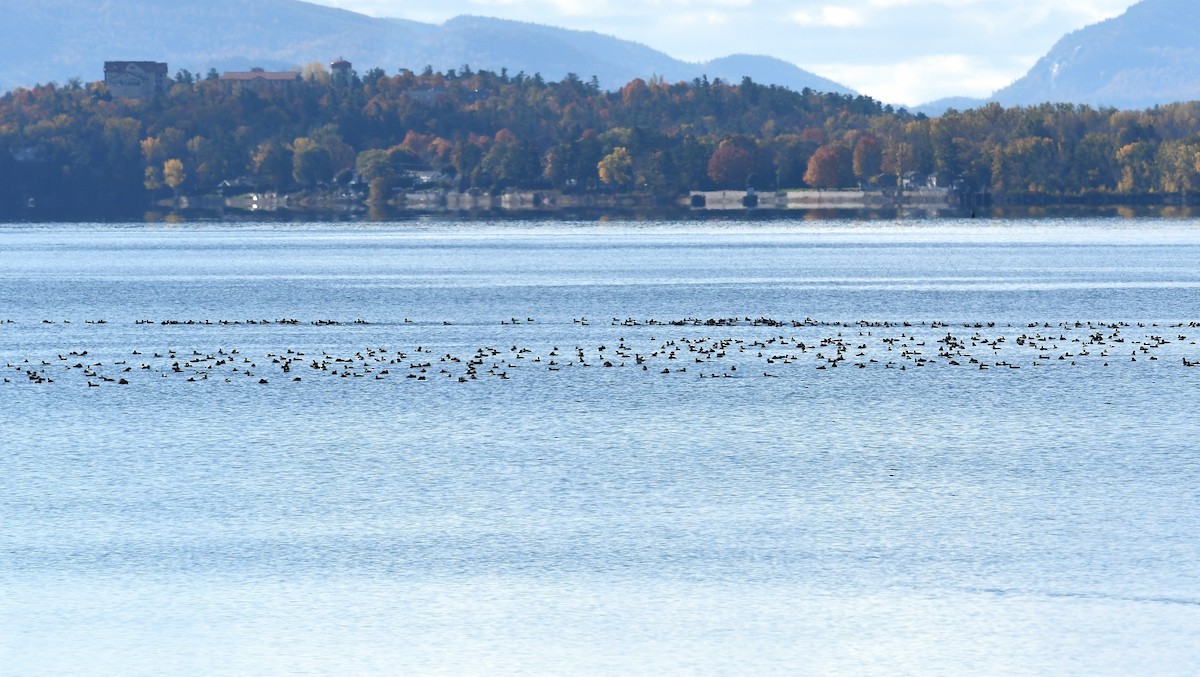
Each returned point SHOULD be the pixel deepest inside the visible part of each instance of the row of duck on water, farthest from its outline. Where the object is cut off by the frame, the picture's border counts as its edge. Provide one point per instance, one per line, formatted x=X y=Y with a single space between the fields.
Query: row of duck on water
x=751 y=353
x=746 y=321
x=585 y=322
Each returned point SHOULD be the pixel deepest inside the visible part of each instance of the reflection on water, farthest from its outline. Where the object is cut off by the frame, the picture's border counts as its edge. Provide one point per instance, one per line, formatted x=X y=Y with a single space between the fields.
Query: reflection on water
x=385 y=215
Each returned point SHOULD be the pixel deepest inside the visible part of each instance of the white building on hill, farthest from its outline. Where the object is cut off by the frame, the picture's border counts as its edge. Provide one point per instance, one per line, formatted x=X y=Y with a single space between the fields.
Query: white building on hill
x=135 y=79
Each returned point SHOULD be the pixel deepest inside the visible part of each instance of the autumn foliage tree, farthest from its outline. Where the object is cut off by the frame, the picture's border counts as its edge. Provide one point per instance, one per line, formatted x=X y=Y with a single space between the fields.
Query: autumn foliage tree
x=828 y=167
x=732 y=163
x=616 y=168
x=173 y=174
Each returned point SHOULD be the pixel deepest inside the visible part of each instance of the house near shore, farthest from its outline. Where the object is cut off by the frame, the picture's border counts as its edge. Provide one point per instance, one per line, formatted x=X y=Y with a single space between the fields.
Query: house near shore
x=259 y=80
x=914 y=181
x=886 y=183
x=135 y=79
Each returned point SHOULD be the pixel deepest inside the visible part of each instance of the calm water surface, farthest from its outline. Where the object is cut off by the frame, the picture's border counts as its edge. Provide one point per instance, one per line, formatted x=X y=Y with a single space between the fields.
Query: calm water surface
x=550 y=517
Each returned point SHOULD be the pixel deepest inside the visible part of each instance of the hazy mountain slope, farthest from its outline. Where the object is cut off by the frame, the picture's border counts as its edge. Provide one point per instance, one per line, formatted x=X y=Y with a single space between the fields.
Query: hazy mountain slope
x=41 y=41
x=54 y=41
x=765 y=69
x=939 y=107
x=495 y=43
x=1147 y=56
x=554 y=52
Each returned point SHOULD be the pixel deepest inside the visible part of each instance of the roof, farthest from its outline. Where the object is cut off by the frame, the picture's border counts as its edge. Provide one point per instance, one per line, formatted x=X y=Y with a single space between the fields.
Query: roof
x=148 y=66
x=250 y=76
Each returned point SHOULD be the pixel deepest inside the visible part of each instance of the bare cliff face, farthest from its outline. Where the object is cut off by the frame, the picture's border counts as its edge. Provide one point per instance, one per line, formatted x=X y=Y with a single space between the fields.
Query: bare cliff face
x=42 y=42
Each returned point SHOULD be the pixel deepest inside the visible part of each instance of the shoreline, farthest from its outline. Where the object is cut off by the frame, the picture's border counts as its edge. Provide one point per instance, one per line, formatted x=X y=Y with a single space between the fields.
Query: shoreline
x=807 y=205
x=168 y=215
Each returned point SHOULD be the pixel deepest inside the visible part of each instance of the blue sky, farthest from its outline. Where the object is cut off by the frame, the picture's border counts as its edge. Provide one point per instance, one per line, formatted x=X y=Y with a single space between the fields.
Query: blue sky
x=899 y=51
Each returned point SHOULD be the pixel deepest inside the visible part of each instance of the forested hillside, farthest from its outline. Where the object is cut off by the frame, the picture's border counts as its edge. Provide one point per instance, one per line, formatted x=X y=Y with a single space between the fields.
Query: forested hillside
x=76 y=146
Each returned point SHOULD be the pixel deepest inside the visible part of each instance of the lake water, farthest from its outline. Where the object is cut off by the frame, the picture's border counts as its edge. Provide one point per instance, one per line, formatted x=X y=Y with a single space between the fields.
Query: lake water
x=927 y=448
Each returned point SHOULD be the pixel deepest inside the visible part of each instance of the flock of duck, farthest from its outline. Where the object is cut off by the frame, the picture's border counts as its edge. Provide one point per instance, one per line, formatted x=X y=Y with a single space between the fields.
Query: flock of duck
x=750 y=348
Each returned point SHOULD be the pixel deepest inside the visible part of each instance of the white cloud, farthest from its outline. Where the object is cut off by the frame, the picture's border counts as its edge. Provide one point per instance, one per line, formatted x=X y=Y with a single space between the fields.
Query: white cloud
x=893 y=50
x=565 y=8
x=924 y=79
x=830 y=16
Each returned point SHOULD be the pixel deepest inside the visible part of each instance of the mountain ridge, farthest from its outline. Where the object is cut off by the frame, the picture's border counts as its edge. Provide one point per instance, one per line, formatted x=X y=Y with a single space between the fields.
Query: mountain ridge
x=42 y=42
x=1145 y=57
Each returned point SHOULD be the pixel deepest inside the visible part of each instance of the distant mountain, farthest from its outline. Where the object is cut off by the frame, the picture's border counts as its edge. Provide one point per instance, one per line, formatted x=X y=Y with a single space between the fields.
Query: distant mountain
x=938 y=108
x=1149 y=55
x=44 y=41
x=54 y=41
x=769 y=70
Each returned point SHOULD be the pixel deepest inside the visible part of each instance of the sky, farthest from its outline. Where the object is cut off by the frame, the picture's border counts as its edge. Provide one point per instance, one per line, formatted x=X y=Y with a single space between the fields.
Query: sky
x=898 y=51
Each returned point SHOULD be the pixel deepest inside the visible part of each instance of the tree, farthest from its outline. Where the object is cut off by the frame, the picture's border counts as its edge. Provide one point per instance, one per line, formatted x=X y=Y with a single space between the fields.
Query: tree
x=616 y=168
x=634 y=93
x=153 y=179
x=510 y=162
x=827 y=167
x=315 y=71
x=868 y=158
x=1092 y=165
x=1027 y=164
x=272 y=163
x=654 y=172
x=467 y=156
x=173 y=175
x=379 y=171
x=792 y=153
x=731 y=164
x=572 y=164
x=899 y=158
x=375 y=164
x=208 y=165
x=1137 y=167
x=1178 y=166
x=689 y=158
x=945 y=146
x=311 y=162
